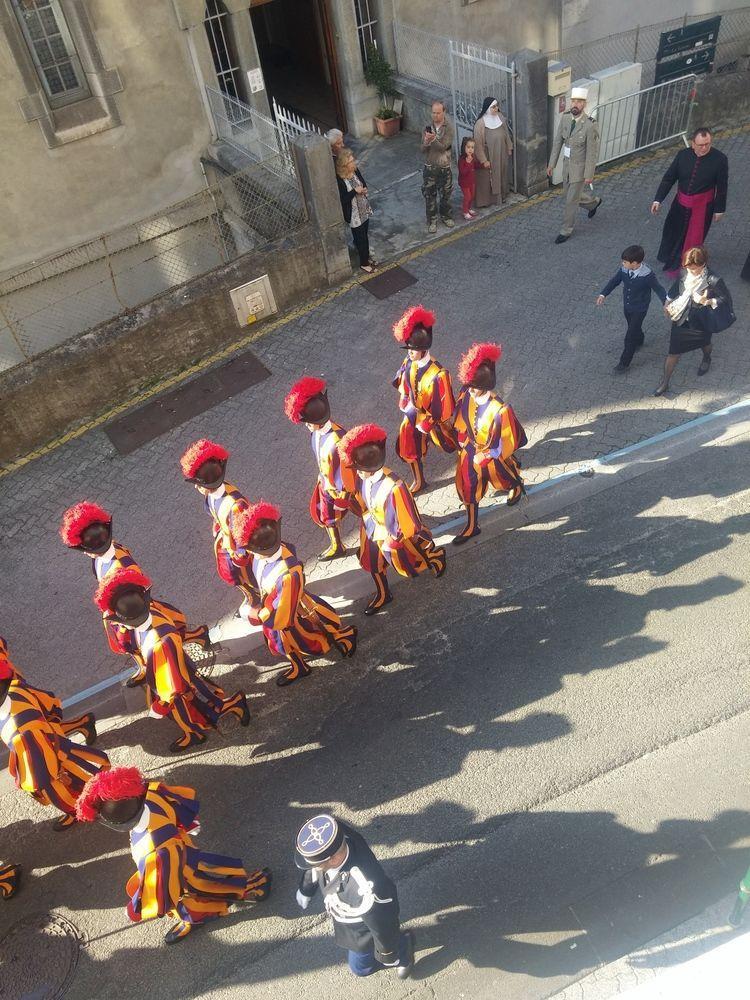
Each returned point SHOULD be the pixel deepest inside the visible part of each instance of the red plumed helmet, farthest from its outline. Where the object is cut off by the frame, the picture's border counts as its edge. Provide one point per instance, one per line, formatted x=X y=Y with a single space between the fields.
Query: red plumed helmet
x=3 y=649
x=108 y=786
x=477 y=355
x=357 y=436
x=77 y=518
x=200 y=452
x=300 y=395
x=248 y=520
x=413 y=317
x=107 y=590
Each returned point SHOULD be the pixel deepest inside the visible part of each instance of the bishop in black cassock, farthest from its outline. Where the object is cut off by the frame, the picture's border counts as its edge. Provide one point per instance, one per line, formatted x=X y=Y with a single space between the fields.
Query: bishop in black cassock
x=701 y=194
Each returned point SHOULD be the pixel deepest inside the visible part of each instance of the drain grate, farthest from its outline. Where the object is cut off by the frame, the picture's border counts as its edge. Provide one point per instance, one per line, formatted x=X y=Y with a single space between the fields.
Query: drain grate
x=165 y=412
x=395 y=279
x=38 y=957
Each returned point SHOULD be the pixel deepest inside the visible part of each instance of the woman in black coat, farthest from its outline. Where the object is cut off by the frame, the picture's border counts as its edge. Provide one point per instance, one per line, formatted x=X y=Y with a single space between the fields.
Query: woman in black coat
x=699 y=305
x=355 y=206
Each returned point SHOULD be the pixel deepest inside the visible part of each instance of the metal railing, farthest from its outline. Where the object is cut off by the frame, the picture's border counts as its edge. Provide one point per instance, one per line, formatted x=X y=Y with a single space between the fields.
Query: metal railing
x=247 y=130
x=71 y=292
x=646 y=118
x=290 y=124
x=641 y=45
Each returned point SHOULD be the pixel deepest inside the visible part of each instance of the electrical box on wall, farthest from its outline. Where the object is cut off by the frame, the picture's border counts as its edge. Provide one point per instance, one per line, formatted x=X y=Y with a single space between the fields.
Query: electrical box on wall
x=558 y=78
x=253 y=301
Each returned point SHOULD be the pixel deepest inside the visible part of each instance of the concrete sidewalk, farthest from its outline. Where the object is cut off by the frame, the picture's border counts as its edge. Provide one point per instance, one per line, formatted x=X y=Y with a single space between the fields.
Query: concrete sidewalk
x=702 y=957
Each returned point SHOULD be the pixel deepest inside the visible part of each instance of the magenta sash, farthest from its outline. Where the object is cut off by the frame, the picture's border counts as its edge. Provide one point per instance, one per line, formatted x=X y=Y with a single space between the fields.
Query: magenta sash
x=697 y=204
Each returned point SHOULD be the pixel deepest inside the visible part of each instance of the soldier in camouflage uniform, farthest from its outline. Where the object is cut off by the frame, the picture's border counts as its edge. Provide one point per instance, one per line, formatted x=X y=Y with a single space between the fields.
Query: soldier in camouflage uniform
x=437 y=177
x=577 y=136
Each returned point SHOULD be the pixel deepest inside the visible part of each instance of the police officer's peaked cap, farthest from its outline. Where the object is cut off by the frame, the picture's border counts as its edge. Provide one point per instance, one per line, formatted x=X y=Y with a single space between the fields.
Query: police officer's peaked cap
x=317 y=841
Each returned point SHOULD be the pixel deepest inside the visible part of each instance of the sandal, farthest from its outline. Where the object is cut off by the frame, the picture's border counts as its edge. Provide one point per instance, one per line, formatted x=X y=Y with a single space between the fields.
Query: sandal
x=367 y=268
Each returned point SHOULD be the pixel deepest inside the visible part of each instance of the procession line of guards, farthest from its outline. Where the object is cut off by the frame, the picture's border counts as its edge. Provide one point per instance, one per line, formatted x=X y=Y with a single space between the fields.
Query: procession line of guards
x=172 y=877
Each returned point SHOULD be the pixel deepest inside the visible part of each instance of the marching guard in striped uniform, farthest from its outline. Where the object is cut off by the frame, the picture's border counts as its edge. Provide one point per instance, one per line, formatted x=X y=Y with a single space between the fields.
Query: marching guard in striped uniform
x=296 y=623
x=84 y=724
x=392 y=532
x=489 y=434
x=425 y=395
x=172 y=878
x=204 y=464
x=307 y=403
x=43 y=762
x=194 y=703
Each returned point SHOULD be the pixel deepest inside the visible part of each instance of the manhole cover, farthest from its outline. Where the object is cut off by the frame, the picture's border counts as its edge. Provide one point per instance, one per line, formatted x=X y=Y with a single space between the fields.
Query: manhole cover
x=38 y=958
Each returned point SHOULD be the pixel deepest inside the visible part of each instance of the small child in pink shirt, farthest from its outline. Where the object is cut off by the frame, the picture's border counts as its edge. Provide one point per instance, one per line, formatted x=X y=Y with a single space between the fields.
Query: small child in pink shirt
x=467 y=164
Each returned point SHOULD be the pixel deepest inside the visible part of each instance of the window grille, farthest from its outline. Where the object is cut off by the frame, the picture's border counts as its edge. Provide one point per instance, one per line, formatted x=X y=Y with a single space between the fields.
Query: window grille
x=223 y=51
x=52 y=51
x=366 y=25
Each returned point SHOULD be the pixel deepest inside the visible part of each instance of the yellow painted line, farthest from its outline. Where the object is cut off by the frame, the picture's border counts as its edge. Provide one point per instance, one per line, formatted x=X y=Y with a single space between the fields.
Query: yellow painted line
x=334 y=293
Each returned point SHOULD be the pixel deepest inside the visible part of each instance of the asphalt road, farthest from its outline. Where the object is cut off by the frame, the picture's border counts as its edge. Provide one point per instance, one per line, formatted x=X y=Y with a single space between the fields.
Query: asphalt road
x=549 y=749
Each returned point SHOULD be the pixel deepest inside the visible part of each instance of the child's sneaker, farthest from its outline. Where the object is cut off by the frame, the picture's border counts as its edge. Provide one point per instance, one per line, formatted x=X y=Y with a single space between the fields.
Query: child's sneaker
x=472 y=213
x=468 y=216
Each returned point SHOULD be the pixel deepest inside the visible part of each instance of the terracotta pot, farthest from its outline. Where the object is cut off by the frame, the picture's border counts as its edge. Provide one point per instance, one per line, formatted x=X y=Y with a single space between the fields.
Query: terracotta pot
x=388 y=126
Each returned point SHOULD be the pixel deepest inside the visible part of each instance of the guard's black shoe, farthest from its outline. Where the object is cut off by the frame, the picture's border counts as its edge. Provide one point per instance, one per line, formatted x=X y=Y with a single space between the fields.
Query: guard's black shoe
x=404 y=971
x=180 y=746
x=463 y=538
x=561 y=238
x=592 y=211
x=620 y=367
x=377 y=604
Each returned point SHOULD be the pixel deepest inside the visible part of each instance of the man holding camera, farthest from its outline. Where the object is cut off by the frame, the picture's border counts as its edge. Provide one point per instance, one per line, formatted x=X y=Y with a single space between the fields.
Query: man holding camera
x=437 y=176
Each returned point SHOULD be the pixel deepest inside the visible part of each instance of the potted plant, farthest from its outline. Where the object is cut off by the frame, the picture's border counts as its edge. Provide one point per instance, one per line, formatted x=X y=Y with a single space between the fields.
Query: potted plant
x=379 y=74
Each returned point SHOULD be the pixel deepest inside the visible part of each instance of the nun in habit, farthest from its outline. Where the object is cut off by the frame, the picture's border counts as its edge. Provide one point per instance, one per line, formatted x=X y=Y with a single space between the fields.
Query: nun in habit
x=493 y=149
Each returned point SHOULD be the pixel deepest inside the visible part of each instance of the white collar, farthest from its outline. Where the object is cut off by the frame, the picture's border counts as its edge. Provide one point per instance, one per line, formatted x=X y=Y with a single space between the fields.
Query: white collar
x=109 y=554
x=479 y=400
x=218 y=492
x=149 y=622
x=142 y=825
x=375 y=477
x=492 y=121
x=331 y=873
x=272 y=558
x=425 y=360
x=2 y=703
x=323 y=428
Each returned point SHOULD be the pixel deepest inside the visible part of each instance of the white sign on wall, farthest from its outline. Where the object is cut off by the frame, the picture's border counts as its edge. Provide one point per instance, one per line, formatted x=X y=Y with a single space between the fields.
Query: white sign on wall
x=255 y=79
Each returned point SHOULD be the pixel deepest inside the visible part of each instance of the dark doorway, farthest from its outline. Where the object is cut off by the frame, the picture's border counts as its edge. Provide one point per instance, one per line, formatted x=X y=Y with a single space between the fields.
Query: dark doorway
x=298 y=57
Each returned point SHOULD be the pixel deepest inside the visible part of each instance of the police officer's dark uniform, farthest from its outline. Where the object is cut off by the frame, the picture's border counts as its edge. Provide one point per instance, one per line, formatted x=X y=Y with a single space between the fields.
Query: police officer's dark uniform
x=358 y=895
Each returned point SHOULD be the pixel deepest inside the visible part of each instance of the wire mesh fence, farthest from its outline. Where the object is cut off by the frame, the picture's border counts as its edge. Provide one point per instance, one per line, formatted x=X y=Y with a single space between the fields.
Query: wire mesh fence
x=248 y=130
x=641 y=45
x=422 y=56
x=71 y=292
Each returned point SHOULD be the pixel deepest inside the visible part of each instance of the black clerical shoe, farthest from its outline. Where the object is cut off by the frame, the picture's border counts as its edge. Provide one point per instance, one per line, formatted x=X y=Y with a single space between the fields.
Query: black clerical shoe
x=620 y=367
x=404 y=971
x=561 y=238
x=592 y=211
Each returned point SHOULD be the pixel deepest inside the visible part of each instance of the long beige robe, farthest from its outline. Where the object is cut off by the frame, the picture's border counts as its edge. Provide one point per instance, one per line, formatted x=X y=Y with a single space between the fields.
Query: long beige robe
x=493 y=145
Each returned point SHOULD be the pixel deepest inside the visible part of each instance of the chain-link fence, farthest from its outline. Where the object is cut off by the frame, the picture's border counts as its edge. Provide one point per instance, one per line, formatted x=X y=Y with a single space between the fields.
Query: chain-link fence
x=422 y=56
x=641 y=45
x=71 y=292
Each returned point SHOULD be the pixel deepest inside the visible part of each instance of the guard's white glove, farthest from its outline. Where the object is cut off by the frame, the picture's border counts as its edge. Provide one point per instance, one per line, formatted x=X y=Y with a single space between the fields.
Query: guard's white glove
x=303 y=901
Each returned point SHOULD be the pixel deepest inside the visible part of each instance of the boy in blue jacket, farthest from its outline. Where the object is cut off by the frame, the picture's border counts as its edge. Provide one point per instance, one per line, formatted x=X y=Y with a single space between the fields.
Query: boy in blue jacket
x=638 y=281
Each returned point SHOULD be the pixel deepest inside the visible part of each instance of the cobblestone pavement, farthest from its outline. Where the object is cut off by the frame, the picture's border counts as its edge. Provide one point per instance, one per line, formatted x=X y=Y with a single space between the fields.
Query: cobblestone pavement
x=505 y=281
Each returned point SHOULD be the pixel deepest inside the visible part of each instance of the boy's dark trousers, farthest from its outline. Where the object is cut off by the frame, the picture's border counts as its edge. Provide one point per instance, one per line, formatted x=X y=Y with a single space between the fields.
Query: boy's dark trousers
x=633 y=337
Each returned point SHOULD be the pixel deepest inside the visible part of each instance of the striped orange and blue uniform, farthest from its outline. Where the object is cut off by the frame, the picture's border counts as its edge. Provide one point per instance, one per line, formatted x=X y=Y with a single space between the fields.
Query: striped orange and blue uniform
x=392 y=533
x=49 y=702
x=224 y=511
x=8 y=880
x=426 y=401
x=332 y=496
x=293 y=619
x=173 y=877
x=43 y=762
x=492 y=427
x=116 y=557
x=193 y=702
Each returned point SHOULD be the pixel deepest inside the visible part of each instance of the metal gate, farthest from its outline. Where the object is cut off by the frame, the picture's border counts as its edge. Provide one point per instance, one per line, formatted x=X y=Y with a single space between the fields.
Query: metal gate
x=646 y=118
x=477 y=73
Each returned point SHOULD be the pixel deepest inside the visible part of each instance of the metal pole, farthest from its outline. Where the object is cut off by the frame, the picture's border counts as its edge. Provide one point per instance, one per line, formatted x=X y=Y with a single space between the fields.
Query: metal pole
x=635 y=46
x=453 y=90
x=513 y=122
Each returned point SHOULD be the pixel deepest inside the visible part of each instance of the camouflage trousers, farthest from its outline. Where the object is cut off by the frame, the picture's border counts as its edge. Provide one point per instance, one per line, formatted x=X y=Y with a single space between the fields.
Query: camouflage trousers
x=437 y=185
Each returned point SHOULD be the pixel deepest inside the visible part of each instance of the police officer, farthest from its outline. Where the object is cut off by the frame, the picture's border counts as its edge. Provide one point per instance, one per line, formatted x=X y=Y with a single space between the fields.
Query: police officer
x=577 y=136
x=358 y=895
